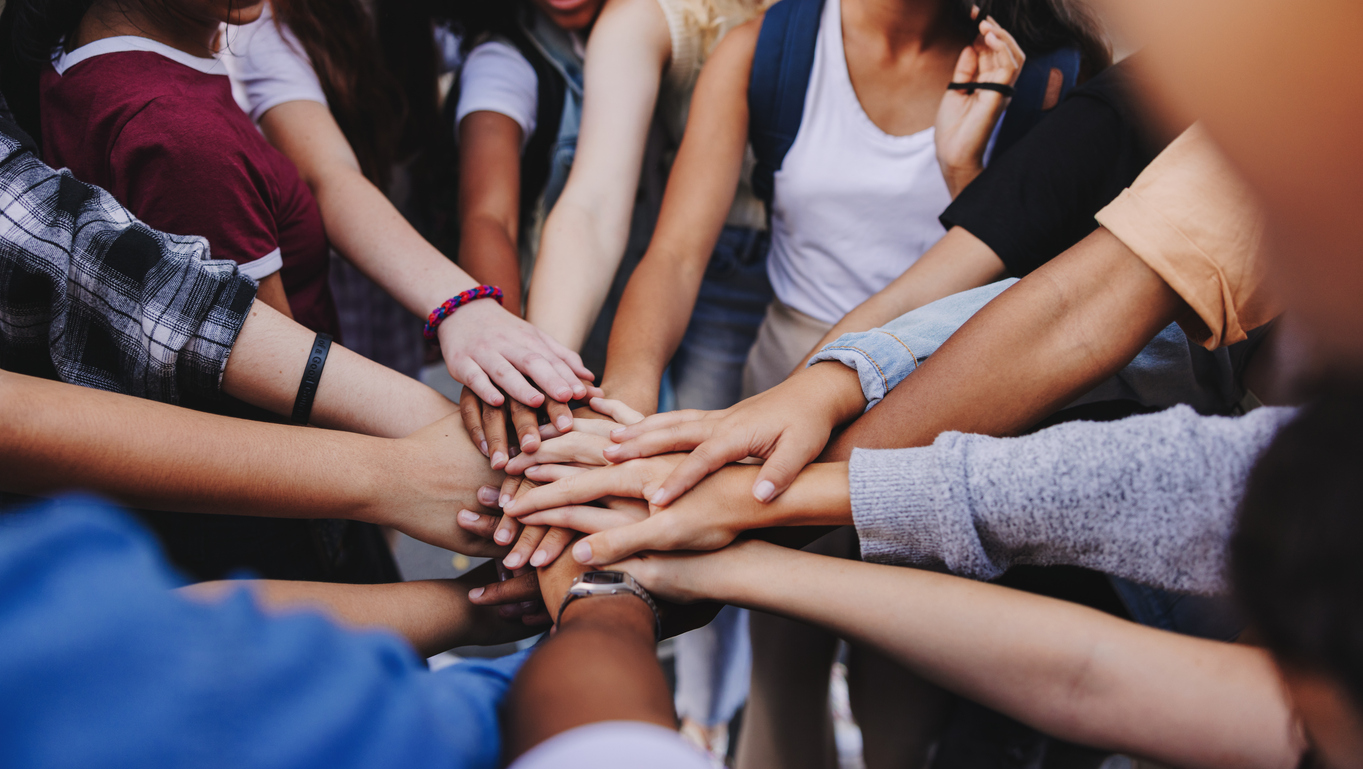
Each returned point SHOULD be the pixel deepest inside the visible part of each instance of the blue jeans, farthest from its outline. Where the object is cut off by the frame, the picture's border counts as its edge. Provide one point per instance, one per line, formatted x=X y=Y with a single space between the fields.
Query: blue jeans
x=707 y=370
x=714 y=663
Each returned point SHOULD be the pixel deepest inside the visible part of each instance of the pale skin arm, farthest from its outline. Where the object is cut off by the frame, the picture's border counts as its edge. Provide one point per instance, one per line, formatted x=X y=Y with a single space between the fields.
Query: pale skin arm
x=657 y=304
x=433 y=615
x=1067 y=670
x=584 y=235
x=56 y=437
x=958 y=262
x=485 y=347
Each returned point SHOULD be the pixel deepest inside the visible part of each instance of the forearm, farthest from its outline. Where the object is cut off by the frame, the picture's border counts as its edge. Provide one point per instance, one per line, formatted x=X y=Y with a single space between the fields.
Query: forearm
x=958 y=262
x=1065 y=669
x=579 y=255
x=59 y=437
x=354 y=393
x=433 y=615
x=487 y=250
x=361 y=223
x=600 y=665
x=649 y=325
x=1050 y=338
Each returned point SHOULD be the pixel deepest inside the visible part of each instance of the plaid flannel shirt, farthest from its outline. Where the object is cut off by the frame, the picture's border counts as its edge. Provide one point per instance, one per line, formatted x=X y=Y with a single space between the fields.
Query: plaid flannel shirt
x=91 y=296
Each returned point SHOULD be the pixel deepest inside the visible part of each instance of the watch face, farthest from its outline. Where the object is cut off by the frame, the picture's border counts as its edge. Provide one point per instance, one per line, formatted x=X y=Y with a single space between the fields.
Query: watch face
x=603 y=578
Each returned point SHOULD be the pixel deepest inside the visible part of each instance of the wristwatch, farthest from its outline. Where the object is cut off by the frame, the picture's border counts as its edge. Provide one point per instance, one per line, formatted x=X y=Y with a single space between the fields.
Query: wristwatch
x=595 y=583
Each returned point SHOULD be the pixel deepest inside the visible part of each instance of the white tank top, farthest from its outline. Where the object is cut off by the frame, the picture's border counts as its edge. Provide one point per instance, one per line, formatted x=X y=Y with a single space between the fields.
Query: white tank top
x=853 y=206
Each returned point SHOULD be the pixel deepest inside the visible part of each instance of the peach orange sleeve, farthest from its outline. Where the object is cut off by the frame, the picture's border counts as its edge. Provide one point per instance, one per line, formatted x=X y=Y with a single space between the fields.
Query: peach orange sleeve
x=1192 y=220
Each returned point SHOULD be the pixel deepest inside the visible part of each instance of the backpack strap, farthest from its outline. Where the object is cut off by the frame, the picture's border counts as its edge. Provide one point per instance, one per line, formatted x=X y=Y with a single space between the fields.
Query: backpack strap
x=781 y=67
x=1028 y=105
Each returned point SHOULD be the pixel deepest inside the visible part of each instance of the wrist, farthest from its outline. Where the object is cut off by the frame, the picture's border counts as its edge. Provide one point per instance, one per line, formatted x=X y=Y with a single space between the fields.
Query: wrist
x=838 y=388
x=613 y=613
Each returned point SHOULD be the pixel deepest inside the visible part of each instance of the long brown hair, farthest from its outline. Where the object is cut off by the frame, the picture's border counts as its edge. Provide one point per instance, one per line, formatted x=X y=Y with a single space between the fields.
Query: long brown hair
x=365 y=98
x=1045 y=25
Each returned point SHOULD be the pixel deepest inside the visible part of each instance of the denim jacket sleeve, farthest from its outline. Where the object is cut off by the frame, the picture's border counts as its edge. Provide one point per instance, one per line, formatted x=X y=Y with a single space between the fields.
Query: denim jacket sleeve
x=883 y=357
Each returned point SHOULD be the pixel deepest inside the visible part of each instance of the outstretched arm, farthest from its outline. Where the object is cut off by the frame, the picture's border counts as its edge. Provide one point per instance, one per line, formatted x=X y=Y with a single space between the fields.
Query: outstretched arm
x=585 y=233
x=55 y=436
x=658 y=301
x=1065 y=669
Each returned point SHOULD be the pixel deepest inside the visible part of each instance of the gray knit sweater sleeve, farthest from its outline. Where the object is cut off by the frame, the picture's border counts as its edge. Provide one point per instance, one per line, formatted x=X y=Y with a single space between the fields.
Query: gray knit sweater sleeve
x=1151 y=498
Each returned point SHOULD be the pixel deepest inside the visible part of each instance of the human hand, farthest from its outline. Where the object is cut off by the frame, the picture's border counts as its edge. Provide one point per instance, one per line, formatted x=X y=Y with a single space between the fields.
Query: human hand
x=689 y=577
x=423 y=480
x=585 y=443
x=514 y=597
x=788 y=426
x=535 y=545
x=486 y=348
x=708 y=517
x=966 y=119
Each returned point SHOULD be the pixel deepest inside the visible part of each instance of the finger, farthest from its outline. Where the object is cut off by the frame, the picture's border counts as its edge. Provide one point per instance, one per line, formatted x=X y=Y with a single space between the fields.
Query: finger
x=573 y=447
x=575 y=489
x=684 y=436
x=471 y=375
x=551 y=547
x=507 y=376
x=527 y=426
x=569 y=357
x=471 y=411
x=707 y=458
x=780 y=469
x=595 y=392
x=578 y=387
x=658 y=422
x=477 y=523
x=551 y=473
x=506 y=530
x=549 y=380
x=529 y=541
x=511 y=485
x=494 y=430
x=616 y=410
x=621 y=542
x=602 y=426
x=585 y=518
x=537 y=619
x=966 y=65
x=525 y=587
x=560 y=416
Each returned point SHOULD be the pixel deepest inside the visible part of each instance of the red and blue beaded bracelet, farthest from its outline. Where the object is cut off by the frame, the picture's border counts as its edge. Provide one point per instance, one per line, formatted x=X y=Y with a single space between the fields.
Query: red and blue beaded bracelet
x=447 y=308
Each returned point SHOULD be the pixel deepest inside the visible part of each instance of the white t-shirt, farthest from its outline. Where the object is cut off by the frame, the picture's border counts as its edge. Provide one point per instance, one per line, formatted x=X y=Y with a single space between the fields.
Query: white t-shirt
x=497 y=78
x=853 y=206
x=614 y=745
x=269 y=67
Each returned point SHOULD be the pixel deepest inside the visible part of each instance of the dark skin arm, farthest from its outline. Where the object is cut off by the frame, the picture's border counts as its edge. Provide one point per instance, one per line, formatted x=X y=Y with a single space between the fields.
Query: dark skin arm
x=600 y=665
x=489 y=202
x=1042 y=343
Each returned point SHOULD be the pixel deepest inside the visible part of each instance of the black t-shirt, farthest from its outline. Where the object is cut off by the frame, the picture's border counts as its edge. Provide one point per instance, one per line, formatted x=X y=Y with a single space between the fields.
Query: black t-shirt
x=1039 y=198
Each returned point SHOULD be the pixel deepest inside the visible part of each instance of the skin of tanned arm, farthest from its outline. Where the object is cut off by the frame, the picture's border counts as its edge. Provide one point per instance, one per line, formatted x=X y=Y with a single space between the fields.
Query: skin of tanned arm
x=271 y=292
x=658 y=301
x=56 y=437
x=354 y=393
x=958 y=262
x=1039 y=345
x=489 y=202
x=585 y=233
x=600 y=665
x=433 y=615
x=1068 y=670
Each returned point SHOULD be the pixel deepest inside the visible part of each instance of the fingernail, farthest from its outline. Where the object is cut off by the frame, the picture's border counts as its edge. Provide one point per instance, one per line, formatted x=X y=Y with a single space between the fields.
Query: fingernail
x=582 y=552
x=504 y=501
x=498 y=456
x=617 y=431
x=564 y=394
x=512 y=561
x=537 y=560
x=467 y=516
x=487 y=496
x=502 y=537
x=482 y=446
x=658 y=497
x=476 y=593
x=764 y=490
x=526 y=442
x=612 y=449
x=507 y=504
x=564 y=422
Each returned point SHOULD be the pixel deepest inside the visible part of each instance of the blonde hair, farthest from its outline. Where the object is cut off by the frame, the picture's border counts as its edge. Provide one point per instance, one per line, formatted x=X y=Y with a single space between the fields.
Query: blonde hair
x=713 y=18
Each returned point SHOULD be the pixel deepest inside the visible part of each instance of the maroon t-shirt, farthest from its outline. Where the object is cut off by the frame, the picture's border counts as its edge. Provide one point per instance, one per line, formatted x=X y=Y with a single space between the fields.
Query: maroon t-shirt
x=170 y=143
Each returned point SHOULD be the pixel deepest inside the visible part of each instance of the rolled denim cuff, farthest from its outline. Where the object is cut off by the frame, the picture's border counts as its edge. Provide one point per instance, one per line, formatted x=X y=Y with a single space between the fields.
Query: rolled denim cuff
x=881 y=359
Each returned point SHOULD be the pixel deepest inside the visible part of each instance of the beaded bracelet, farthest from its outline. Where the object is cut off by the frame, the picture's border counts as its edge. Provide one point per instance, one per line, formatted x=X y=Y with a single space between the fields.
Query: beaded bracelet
x=447 y=308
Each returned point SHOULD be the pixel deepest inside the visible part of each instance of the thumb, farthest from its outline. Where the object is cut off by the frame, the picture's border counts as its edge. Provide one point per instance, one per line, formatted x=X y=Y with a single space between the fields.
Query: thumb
x=780 y=470
x=616 y=544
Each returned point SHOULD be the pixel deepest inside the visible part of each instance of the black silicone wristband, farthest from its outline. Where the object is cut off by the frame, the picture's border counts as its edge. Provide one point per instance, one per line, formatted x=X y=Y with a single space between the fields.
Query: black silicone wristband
x=1006 y=90
x=312 y=375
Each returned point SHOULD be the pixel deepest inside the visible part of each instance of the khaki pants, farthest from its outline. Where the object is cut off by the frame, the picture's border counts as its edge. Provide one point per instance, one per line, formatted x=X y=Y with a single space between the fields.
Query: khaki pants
x=785 y=340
